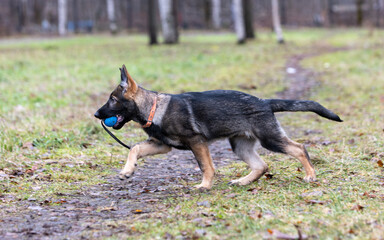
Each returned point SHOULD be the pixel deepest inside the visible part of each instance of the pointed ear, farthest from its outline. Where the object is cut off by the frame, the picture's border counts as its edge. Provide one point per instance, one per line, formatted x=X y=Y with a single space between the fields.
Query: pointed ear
x=127 y=82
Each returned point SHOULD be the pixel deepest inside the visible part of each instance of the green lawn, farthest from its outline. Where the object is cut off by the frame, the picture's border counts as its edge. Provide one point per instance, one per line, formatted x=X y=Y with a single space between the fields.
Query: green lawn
x=49 y=90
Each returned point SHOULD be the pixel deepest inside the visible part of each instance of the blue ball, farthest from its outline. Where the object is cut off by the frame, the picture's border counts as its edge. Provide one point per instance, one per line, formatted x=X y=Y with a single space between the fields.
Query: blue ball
x=110 y=121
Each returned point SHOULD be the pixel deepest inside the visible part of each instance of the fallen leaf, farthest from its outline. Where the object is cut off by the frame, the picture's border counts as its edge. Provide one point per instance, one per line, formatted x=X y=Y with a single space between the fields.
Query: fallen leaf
x=380 y=163
x=366 y=194
x=357 y=207
x=145 y=190
x=139 y=211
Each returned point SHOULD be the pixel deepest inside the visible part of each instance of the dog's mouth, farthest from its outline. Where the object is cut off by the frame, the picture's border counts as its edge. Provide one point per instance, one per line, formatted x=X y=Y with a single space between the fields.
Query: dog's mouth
x=120 y=122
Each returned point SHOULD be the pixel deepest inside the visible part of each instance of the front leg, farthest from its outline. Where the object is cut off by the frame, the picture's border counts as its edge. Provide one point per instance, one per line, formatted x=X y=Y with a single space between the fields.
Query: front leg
x=147 y=148
x=203 y=157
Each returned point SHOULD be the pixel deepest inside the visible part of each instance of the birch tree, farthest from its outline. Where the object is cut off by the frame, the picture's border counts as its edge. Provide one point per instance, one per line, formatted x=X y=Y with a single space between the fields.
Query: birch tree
x=168 y=21
x=62 y=18
x=276 y=21
x=111 y=16
x=237 y=8
x=216 y=19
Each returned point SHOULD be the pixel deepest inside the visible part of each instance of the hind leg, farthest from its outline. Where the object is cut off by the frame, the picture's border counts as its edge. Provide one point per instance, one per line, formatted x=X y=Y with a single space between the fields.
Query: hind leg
x=244 y=148
x=298 y=151
x=273 y=138
x=281 y=143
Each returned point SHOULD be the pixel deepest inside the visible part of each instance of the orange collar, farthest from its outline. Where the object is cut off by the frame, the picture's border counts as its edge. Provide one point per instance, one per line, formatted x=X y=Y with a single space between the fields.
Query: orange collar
x=151 y=114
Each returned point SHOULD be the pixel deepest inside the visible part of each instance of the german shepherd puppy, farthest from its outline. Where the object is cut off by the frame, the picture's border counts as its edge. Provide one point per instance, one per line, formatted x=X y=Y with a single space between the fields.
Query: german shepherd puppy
x=192 y=120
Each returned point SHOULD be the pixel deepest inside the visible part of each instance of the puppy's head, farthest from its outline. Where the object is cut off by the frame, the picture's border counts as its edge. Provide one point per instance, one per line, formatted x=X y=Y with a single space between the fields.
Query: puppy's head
x=121 y=102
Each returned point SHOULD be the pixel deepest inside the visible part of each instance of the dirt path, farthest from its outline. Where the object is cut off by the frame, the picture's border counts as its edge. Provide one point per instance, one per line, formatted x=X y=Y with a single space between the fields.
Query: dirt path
x=302 y=81
x=85 y=213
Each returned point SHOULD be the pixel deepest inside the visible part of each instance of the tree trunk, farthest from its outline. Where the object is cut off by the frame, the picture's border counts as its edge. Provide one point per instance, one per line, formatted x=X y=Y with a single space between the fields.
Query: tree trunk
x=62 y=18
x=129 y=14
x=21 y=15
x=283 y=12
x=111 y=16
x=75 y=10
x=237 y=8
x=359 y=12
x=168 y=21
x=207 y=13
x=152 y=31
x=330 y=12
x=216 y=9
x=248 y=19
x=276 y=21
x=379 y=12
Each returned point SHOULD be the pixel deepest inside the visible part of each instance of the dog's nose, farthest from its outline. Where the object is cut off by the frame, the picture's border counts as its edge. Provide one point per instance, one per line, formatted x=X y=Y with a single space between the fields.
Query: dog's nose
x=97 y=115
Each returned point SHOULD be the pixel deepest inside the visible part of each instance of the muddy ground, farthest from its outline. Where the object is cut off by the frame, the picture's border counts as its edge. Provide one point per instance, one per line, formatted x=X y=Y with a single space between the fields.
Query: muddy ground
x=83 y=214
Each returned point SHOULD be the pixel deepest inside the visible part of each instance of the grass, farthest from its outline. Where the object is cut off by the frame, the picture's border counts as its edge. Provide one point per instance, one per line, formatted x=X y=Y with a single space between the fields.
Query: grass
x=51 y=88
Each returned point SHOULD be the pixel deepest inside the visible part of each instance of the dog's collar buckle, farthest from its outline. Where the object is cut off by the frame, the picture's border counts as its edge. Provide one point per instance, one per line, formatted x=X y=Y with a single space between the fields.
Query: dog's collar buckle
x=151 y=114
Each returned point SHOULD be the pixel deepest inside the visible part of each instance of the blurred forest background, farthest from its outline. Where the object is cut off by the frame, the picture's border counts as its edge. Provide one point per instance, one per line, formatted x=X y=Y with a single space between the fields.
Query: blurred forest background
x=78 y=16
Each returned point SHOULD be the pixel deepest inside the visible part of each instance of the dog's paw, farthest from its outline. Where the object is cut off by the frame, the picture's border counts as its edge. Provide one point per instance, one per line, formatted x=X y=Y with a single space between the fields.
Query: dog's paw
x=124 y=176
x=203 y=187
x=239 y=182
x=310 y=178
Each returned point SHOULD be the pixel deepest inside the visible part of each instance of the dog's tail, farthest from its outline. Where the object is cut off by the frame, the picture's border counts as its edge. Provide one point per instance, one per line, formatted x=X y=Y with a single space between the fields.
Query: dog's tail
x=280 y=105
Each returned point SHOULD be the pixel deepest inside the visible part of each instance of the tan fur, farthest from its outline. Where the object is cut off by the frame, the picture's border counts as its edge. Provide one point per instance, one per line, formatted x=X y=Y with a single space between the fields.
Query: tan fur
x=132 y=86
x=144 y=100
x=298 y=151
x=203 y=156
x=146 y=148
